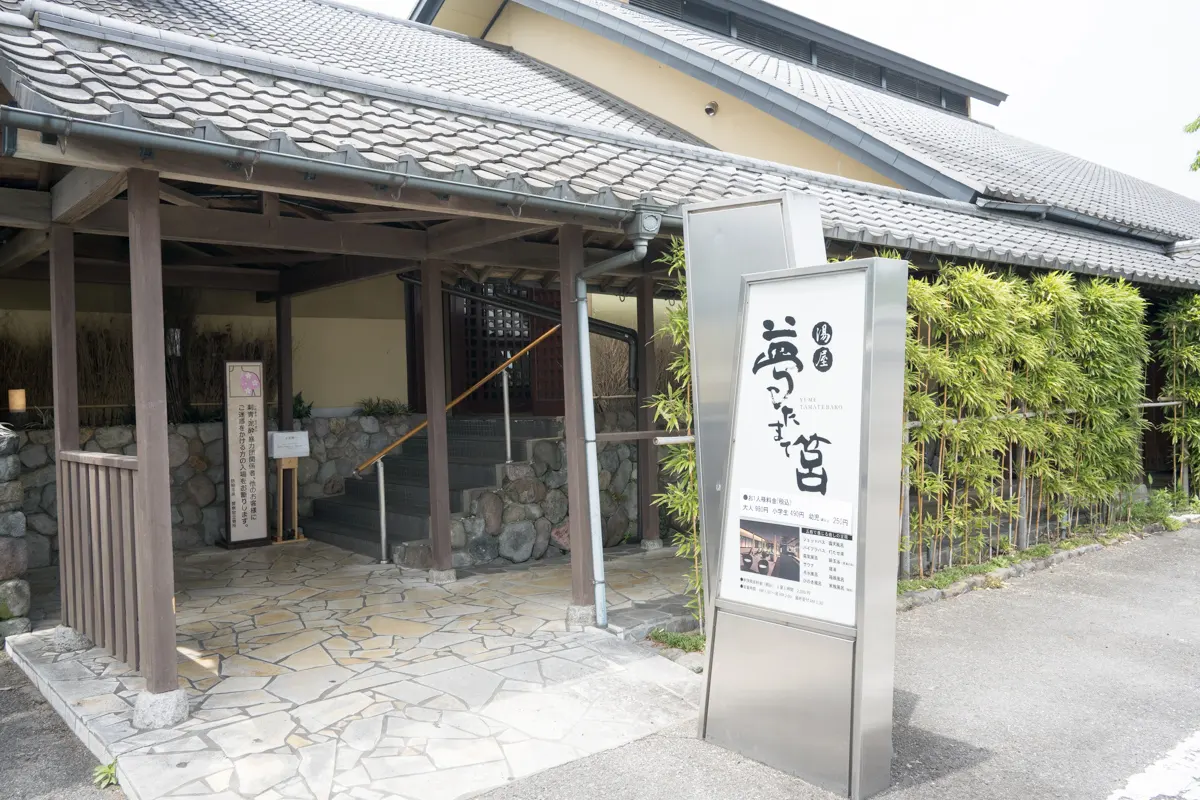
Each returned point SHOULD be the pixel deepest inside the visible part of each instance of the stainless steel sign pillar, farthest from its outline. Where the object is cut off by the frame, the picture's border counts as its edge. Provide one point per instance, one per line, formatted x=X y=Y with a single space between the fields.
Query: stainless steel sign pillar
x=798 y=370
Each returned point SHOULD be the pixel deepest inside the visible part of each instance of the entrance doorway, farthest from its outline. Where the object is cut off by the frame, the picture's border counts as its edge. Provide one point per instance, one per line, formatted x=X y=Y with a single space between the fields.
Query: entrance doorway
x=481 y=336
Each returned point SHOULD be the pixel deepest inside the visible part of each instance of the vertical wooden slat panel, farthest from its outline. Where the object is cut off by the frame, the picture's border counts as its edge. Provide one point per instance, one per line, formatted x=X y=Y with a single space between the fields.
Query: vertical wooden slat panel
x=83 y=507
x=105 y=562
x=120 y=575
x=132 y=635
x=76 y=547
x=65 y=564
x=93 y=501
x=152 y=497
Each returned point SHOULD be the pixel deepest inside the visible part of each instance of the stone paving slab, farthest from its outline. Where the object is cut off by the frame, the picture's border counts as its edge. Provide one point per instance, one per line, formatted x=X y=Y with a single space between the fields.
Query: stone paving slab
x=317 y=674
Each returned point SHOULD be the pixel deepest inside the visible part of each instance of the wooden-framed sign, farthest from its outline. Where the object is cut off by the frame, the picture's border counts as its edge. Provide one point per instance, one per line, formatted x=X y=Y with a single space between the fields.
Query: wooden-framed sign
x=247 y=509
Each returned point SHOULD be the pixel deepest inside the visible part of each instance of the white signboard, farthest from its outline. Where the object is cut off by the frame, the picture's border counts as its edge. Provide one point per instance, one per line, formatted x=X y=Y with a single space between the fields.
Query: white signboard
x=245 y=451
x=790 y=535
x=287 y=444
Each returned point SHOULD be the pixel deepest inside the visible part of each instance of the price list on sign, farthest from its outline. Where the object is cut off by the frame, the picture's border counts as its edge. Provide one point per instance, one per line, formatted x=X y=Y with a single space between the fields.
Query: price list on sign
x=796 y=554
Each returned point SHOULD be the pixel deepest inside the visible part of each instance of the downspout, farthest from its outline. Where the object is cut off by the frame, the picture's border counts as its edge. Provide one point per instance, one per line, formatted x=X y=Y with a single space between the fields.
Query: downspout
x=644 y=227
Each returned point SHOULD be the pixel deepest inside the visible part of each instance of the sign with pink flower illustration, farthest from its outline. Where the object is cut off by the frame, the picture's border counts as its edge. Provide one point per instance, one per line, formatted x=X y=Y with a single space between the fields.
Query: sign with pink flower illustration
x=246 y=502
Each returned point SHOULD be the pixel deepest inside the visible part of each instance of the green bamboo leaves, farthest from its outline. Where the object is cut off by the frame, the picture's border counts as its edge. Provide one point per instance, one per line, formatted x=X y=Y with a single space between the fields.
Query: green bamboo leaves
x=1179 y=354
x=1021 y=400
x=1021 y=396
x=673 y=406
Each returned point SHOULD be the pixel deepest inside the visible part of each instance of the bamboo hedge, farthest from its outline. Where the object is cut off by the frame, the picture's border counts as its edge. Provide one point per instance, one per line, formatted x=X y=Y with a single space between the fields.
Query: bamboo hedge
x=1021 y=396
x=1022 y=399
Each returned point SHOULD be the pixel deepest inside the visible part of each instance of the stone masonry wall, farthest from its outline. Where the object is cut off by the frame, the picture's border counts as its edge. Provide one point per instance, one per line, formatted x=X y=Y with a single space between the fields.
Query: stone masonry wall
x=197 y=457
x=526 y=518
x=14 y=549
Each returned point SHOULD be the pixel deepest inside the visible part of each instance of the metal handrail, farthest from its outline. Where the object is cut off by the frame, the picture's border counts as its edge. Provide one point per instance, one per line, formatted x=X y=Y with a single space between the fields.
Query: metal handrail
x=373 y=459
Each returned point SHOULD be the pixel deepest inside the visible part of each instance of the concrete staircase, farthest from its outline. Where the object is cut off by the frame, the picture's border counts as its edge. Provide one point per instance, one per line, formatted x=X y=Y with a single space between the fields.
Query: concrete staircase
x=476 y=459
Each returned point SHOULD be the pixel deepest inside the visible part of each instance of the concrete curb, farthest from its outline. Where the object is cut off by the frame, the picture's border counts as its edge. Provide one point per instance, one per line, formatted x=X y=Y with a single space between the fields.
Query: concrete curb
x=911 y=600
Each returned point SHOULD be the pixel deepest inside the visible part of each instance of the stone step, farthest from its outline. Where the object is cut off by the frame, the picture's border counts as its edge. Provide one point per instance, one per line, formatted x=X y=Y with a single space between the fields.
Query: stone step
x=464 y=473
x=493 y=427
x=402 y=496
x=349 y=537
x=472 y=447
x=405 y=525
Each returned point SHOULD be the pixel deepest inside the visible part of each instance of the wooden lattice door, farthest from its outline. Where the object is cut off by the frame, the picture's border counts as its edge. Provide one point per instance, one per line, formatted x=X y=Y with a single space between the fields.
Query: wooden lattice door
x=547 y=361
x=482 y=336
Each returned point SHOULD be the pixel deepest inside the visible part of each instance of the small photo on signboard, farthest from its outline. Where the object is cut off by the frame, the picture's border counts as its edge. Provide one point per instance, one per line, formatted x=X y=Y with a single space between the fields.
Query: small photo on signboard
x=770 y=549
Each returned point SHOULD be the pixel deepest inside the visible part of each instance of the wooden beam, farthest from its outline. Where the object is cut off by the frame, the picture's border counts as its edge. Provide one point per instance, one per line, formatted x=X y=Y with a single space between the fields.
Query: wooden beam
x=647 y=372
x=570 y=246
x=178 y=197
x=22 y=208
x=465 y=234
x=65 y=376
x=80 y=151
x=83 y=191
x=399 y=215
x=270 y=204
x=283 y=358
x=433 y=337
x=62 y=338
x=236 y=228
x=156 y=575
x=337 y=271
x=22 y=248
x=194 y=276
x=211 y=226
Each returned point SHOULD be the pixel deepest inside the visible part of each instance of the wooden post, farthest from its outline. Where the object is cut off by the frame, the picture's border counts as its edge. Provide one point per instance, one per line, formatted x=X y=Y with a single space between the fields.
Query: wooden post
x=283 y=358
x=156 y=573
x=435 y=410
x=570 y=260
x=66 y=400
x=647 y=452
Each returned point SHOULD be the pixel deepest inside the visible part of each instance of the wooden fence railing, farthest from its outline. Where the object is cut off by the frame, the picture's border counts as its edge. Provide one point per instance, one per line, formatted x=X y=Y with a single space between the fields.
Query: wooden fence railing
x=98 y=551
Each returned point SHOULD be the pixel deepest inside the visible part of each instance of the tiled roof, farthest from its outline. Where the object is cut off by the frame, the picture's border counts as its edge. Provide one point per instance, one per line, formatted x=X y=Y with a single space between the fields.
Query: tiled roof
x=989 y=161
x=184 y=95
x=327 y=34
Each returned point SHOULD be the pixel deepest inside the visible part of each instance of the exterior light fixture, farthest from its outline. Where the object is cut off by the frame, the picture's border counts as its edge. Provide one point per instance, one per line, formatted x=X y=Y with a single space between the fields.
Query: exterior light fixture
x=712 y=108
x=16 y=401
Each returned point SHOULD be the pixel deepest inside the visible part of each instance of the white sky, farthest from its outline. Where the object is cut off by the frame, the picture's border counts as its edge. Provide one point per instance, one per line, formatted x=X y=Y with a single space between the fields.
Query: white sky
x=1113 y=81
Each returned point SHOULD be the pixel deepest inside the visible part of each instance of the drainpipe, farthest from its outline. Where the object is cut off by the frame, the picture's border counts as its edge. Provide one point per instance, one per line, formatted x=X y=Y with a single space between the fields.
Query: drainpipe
x=645 y=225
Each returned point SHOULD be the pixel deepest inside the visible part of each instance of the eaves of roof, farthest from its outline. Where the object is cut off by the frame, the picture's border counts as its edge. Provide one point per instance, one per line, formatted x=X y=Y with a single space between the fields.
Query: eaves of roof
x=56 y=17
x=888 y=154
x=383 y=142
x=893 y=161
x=780 y=18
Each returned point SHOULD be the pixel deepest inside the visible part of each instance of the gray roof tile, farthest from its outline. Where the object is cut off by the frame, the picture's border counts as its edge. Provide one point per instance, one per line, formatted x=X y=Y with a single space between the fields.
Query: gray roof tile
x=996 y=163
x=372 y=44
x=443 y=143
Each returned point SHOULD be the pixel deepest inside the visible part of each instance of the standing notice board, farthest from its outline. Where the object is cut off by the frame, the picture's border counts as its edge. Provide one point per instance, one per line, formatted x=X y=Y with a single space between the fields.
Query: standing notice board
x=799 y=424
x=794 y=472
x=245 y=454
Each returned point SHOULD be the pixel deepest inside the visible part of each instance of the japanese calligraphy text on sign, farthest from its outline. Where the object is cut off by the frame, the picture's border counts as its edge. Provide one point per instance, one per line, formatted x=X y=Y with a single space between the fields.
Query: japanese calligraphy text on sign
x=789 y=541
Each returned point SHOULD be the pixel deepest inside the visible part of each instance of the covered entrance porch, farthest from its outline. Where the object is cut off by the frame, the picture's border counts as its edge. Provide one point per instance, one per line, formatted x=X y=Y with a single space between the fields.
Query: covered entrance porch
x=102 y=211
x=313 y=672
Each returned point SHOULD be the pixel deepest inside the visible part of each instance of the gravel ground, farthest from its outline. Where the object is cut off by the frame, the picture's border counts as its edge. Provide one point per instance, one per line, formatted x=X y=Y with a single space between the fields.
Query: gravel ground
x=39 y=756
x=1059 y=686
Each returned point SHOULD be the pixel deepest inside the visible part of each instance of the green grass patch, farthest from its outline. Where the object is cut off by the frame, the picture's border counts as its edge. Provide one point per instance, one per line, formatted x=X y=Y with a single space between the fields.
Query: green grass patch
x=690 y=642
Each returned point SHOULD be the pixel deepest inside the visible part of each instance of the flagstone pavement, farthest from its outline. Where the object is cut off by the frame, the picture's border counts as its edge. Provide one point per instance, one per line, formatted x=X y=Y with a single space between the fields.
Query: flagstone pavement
x=314 y=674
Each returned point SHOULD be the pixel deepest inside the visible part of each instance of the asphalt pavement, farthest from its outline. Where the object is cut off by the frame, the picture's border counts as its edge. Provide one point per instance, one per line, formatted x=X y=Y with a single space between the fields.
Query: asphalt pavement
x=40 y=759
x=1059 y=686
